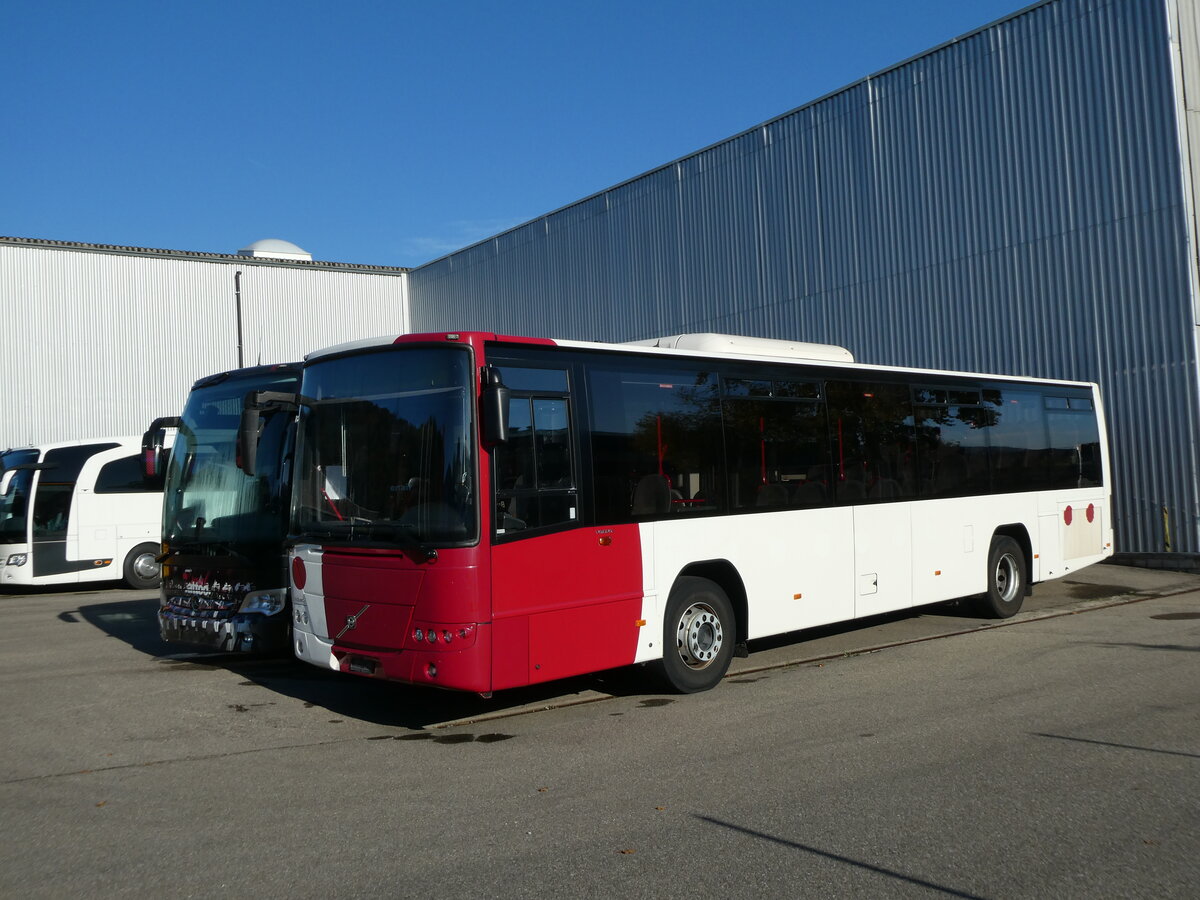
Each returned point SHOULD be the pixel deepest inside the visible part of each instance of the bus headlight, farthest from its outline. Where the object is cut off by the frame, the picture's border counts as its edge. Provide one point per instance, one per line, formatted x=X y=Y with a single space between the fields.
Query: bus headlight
x=17 y=559
x=266 y=603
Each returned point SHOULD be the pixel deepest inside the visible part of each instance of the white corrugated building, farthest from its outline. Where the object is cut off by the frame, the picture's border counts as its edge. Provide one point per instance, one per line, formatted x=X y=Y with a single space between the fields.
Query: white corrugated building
x=101 y=339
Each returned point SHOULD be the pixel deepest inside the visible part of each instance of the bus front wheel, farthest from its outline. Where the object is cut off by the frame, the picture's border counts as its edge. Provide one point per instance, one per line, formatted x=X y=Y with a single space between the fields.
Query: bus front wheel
x=141 y=571
x=1005 y=579
x=698 y=635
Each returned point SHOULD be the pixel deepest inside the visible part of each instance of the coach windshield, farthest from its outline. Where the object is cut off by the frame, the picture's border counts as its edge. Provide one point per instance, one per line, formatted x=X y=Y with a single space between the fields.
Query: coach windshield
x=15 y=487
x=208 y=502
x=385 y=450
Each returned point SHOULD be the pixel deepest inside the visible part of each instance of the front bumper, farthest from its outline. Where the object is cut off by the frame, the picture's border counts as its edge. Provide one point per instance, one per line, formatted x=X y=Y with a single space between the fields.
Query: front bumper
x=240 y=633
x=312 y=649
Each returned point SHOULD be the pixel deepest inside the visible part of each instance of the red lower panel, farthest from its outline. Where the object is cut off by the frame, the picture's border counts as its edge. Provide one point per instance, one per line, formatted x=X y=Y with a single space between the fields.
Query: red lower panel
x=566 y=603
x=466 y=670
x=583 y=639
x=511 y=665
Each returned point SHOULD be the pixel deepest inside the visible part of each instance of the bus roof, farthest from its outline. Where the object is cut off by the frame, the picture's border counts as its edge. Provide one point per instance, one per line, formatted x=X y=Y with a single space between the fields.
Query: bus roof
x=693 y=345
x=123 y=440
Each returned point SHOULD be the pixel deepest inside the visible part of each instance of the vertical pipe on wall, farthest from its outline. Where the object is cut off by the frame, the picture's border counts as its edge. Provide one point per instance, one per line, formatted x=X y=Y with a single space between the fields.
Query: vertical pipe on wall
x=237 y=296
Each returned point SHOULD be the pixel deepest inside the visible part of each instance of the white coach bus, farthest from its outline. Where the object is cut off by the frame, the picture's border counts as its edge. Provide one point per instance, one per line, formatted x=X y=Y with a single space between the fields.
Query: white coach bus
x=78 y=511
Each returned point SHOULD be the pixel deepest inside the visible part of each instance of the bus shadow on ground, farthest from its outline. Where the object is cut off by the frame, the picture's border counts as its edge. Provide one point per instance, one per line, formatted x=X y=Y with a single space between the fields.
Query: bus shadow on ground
x=131 y=621
x=134 y=622
x=417 y=707
x=397 y=705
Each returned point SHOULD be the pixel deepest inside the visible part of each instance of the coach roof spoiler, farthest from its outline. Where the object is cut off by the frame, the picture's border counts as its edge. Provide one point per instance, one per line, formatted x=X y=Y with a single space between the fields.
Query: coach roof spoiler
x=709 y=342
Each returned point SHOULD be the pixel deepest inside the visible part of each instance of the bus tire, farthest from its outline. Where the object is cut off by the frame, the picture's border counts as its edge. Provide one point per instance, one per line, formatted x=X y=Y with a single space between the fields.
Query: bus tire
x=141 y=571
x=698 y=636
x=1006 y=574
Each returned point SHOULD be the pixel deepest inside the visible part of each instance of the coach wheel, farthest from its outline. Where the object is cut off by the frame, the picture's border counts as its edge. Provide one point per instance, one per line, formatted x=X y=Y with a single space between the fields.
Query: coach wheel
x=141 y=571
x=698 y=635
x=1005 y=579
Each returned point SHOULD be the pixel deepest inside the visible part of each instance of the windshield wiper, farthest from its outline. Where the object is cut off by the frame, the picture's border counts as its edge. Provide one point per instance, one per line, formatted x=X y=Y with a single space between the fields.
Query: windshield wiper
x=374 y=531
x=399 y=534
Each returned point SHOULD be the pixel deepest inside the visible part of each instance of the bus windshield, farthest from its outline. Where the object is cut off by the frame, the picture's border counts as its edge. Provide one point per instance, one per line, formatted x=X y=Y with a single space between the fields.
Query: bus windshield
x=207 y=499
x=384 y=449
x=14 y=502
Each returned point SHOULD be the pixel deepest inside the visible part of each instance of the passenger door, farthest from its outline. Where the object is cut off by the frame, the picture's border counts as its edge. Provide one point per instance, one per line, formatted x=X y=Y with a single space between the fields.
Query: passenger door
x=874 y=460
x=565 y=598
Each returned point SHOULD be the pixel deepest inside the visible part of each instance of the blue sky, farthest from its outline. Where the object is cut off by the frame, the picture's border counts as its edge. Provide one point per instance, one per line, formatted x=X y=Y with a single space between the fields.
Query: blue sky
x=391 y=133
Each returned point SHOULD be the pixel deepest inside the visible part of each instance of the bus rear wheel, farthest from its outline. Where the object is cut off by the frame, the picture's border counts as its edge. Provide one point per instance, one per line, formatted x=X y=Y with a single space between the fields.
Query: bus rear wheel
x=1005 y=579
x=141 y=571
x=698 y=636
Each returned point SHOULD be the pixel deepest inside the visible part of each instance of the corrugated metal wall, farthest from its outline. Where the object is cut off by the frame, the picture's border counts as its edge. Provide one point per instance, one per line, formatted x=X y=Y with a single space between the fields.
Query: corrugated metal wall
x=1009 y=202
x=101 y=343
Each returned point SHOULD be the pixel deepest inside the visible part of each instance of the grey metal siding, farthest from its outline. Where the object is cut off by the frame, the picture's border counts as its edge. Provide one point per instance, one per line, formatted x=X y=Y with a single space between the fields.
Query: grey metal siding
x=1011 y=202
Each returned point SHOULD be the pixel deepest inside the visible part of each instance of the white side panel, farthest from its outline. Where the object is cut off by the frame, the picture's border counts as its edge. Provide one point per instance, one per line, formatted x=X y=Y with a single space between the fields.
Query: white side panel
x=310 y=633
x=797 y=566
x=883 y=557
x=1082 y=531
x=653 y=603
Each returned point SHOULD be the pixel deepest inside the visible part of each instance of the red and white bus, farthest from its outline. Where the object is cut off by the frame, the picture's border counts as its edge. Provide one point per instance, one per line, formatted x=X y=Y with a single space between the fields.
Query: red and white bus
x=481 y=512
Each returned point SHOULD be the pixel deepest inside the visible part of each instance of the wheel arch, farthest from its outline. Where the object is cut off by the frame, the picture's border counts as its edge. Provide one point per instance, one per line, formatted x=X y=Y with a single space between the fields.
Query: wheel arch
x=1018 y=533
x=724 y=574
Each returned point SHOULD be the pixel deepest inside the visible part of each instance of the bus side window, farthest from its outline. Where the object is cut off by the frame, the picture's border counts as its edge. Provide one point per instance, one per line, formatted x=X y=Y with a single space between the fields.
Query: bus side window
x=871 y=435
x=534 y=471
x=1074 y=438
x=51 y=510
x=122 y=476
x=777 y=446
x=52 y=500
x=656 y=442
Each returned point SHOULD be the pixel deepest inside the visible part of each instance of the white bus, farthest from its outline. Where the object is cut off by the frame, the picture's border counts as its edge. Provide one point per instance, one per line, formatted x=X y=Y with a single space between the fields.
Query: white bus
x=481 y=512
x=78 y=511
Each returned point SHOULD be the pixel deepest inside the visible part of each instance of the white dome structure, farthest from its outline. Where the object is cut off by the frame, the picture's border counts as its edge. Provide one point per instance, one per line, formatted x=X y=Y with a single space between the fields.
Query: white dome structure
x=274 y=248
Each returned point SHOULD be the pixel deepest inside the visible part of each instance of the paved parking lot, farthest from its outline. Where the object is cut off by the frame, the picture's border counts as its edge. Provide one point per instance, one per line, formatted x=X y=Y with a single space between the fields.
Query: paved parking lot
x=137 y=769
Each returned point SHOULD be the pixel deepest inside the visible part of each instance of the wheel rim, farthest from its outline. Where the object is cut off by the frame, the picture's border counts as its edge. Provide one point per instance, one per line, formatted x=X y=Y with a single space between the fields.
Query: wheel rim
x=699 y=636
x=1007 y=578
x=145 y=567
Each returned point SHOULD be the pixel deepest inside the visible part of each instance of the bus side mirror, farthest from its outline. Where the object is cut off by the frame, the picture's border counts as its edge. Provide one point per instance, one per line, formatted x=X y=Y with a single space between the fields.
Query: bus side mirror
x=250 y=427
x=155 y=450
x=247 y=446
x=494 y=407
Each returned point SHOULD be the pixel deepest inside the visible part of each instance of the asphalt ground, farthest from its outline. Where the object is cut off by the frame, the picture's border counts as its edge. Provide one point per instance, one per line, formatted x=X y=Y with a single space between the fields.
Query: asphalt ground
x=925 y=754
x=117 y=617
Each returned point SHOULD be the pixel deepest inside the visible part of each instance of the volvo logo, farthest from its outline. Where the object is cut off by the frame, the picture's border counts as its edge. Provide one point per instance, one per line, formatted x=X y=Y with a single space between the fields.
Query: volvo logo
x=352 y=622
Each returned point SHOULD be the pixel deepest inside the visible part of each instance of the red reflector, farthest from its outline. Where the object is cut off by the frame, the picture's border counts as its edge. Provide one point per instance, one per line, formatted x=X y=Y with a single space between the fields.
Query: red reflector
x=1091 y=512
x=148 y=463
x=1068 y=515
x=299 y=575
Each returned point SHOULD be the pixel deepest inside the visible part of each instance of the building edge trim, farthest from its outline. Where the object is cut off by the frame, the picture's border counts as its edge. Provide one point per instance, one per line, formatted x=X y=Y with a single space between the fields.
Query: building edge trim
x=199 y=256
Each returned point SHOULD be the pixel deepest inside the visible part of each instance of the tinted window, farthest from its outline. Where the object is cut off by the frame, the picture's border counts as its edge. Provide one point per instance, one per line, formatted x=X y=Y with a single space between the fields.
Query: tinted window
x=656 y=441
x=1012 y=439
x=871 y=442
x=952 y=441
x=545 y=381
x=122 y=476
x=534 y=471
x=777 y=451
x=1017 y=440
x=1074 y=456
x=52 y=503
